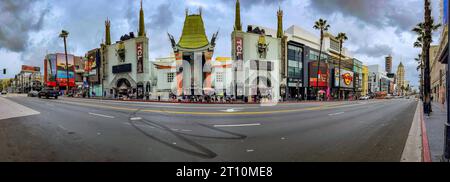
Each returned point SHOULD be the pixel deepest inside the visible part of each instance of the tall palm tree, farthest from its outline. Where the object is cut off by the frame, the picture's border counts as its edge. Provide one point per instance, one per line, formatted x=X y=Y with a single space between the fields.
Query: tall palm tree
x=341 y=38
x=323 y=26
x=420 y=67
x=424 y=31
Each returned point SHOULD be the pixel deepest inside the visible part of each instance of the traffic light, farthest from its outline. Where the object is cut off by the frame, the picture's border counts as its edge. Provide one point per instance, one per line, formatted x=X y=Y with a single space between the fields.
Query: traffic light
x=4 y=71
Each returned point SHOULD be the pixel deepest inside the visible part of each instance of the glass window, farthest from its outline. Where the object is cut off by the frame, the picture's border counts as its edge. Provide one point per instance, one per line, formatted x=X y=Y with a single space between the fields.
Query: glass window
x=292 y=63
x=334 y=45
x=170 y=77
x=219 y=77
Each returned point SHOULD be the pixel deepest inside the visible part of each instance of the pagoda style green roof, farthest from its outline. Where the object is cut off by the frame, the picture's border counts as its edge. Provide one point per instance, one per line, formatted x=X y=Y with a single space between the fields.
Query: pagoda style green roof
x=193 y=36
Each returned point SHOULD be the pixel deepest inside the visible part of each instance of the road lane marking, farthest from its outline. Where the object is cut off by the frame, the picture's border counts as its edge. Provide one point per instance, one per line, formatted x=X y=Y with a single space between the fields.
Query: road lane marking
x=335 y=114
x=136 y=119
x=10 y=109
x=101 y=115
x=62 y=127
x=250 y=150
x=140 y=125
x=322 y=107
x=237 y=125
x=231 y=110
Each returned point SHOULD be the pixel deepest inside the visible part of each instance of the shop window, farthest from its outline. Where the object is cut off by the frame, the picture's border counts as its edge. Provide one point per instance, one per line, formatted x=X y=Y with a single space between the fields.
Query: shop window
x=170 y=77
x=219 y=77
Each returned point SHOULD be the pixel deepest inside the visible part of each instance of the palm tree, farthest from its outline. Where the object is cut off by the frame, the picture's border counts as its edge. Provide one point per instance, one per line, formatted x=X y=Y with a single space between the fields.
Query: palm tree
x=420 y=67
x=341 y=38
x=424 y=31
x=322 y=26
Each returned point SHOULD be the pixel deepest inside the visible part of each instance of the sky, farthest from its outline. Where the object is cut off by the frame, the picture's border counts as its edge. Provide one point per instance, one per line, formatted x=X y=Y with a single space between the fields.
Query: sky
x=29 y=28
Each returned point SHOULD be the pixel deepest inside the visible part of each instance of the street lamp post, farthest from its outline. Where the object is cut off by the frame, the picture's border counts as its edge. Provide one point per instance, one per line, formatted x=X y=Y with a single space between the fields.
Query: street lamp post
x=64 y=34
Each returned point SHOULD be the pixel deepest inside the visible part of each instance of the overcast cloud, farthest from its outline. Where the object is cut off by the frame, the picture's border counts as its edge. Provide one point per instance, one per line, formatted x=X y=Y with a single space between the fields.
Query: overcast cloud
x=29 y=28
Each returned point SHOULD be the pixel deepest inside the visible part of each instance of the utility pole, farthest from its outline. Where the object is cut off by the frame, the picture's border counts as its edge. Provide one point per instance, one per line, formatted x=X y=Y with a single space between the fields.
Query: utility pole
x=64 y=34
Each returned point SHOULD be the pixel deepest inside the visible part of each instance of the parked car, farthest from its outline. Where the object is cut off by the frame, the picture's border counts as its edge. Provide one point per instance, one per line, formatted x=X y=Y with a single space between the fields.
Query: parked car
x=4 y=92
x=48 y=92
x=33 y=93
x=364 y=98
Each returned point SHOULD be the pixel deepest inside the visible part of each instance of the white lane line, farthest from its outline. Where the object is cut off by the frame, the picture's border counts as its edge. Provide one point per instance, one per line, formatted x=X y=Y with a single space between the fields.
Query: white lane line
x=334 y=114
x=231 y=110
x=237 y=125
x=250 y=150
x=101 y=115
x=140 y=125
x=62 y=127
x=136 y=119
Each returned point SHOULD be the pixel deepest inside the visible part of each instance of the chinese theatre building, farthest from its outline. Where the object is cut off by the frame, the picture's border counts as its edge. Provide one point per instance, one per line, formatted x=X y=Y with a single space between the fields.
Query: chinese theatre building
x=193 y=54
x=126 y=65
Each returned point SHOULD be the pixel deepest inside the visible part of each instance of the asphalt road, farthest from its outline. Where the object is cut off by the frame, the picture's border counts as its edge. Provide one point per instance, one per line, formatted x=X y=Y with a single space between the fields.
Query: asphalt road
x=93 y=130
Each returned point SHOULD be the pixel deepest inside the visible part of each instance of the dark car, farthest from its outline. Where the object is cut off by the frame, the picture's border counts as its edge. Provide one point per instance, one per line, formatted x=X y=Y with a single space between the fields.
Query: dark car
x=47 y=93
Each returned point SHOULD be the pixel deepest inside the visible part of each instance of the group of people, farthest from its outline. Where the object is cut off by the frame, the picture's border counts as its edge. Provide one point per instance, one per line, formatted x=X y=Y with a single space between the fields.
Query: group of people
x=202 y=99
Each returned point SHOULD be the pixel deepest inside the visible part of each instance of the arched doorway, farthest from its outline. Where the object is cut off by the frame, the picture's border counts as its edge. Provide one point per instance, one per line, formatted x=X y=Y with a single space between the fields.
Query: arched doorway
x=123 y=87
x=261 y=88
x=140 y=90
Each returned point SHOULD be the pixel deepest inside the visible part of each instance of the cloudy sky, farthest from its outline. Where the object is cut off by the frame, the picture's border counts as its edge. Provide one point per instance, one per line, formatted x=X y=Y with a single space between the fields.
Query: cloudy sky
x=29 y=28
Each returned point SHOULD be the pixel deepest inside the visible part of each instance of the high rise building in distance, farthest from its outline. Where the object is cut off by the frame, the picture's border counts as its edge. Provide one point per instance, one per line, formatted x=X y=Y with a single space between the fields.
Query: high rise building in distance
x=389 y=64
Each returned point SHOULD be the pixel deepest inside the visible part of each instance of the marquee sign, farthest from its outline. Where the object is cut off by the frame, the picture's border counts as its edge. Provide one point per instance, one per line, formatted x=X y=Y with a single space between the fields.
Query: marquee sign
x=140 y=57
x=239 y=48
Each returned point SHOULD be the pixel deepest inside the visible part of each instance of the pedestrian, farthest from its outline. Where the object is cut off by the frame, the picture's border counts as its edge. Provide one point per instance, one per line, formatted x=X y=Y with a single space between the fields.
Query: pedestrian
x=442 y=98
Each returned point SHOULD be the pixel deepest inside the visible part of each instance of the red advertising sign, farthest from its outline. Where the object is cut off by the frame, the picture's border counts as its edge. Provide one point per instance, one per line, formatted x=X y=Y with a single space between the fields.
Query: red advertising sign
x=64 y=71
x=30 y=69
x=140 y=57
x=322 y=73
x=239 y=48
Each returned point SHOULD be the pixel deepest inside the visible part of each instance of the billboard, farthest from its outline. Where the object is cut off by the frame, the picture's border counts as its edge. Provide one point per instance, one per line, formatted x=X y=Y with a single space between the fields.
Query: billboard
x=322 y=73
x=346 y=78
x=140 y=57
x=30 y=69
x=445 y=13
x=61 y=70
x=92 y=65
x=50 y=70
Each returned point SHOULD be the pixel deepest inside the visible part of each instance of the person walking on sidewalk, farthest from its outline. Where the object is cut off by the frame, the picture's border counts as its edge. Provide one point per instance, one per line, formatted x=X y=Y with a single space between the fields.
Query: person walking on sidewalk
x=442 y=98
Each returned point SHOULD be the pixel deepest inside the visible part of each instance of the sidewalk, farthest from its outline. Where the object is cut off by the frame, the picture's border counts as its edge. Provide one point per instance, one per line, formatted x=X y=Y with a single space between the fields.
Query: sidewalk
x=435 y=131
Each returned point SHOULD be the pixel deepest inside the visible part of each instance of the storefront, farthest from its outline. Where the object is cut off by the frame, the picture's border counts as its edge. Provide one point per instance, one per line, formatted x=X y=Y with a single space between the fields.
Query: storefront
x=318 y=80
x=256 y=73
x=295 y=86
x=345 y=81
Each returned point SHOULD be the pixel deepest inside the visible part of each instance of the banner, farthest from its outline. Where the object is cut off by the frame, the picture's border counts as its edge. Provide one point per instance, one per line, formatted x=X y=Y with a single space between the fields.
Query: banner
x=140 y=57
x=239 y=48
x=62 y=69
x=50 y=70
x=30 y=69
x=322 y=73
x=346 y=78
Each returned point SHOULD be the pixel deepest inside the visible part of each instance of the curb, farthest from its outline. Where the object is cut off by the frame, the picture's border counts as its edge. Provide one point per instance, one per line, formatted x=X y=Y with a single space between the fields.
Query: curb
x=426 y=154
x=413 y=150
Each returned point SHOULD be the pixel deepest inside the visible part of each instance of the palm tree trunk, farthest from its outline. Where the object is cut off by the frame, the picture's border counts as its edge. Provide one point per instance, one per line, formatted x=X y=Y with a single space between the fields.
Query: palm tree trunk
x=339 y=88
x=318 y=65
x=426 y=46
